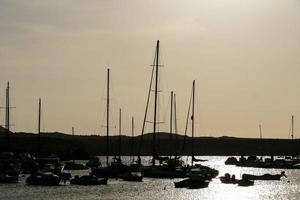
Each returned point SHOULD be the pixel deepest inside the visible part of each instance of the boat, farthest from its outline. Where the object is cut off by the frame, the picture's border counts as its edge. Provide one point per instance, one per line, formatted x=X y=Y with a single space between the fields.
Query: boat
x=9 y=168
x=114 y=170
x=208 y=172
x=245 y=182
x=161 y=167
x=264 y=177
x=88 y=180
x=116 y=167
x=74 y=166
x=205 y=171
x=227 y=179
x=194 y=181
x=163 y=171
x=43 y=179
x=132 y=176
x=231 y=161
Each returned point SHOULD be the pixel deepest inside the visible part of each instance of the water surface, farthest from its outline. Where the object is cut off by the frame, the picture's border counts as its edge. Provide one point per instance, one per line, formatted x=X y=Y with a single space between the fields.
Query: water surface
x=287 y=188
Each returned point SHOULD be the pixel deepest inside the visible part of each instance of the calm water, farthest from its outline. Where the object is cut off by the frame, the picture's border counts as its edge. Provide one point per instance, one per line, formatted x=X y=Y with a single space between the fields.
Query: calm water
x=287 y=188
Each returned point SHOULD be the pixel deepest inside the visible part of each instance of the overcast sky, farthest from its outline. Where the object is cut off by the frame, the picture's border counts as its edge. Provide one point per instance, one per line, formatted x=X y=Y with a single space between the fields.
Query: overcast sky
x=243 y=54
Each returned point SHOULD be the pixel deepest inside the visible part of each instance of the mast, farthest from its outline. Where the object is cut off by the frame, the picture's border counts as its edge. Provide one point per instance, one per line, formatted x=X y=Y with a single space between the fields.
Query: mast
x=193 y=121
x=175 y=123
x=7 y=107
x=146 y=110
x=73 y=138
x=132 y=135
x=7 y=116
x=292 y=127
x=155 y=101
x=107 y=118
x=171 y=122
x=120 y=131
x=261 y=141
x=39 y=126
x=186 y=124
x=260 y=131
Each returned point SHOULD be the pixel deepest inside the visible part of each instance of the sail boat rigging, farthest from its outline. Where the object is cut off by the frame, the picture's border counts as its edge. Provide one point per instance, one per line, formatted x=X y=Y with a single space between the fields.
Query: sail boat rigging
x=192 y=118
x=167 y=168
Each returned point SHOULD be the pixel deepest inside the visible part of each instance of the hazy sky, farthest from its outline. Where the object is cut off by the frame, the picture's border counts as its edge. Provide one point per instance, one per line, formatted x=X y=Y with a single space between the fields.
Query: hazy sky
x=244 y=55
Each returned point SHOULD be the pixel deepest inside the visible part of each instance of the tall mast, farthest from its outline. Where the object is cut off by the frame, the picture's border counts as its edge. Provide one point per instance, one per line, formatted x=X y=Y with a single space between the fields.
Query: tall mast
x=107 y=118
x=292 y=127
x=171 y=122
x=186 y=123
x=132 y=135
x=175 y=123
x=193 y=120
x=39 y=126
x=146 y=109
x=155 y=101
x=7 y=115
x=120 y=131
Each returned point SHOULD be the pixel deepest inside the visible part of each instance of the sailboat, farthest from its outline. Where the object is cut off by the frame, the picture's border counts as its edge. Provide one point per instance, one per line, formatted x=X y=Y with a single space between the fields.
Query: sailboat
x=164 y=169
x=134 y=174
x=71 y=165
x=198 y=175
x=116 y=167
x=44 y=176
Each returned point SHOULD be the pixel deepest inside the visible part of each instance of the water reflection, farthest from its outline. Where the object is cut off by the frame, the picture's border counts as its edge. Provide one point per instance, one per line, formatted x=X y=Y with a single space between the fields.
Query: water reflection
x=164 y=188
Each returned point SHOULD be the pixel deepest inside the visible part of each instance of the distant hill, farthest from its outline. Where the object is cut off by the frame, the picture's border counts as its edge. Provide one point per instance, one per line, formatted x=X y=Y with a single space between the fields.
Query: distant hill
x=96 y=145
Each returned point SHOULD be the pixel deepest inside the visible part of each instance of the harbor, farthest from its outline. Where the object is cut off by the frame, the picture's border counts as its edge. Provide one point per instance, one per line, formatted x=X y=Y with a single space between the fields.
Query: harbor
x=151 y=188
